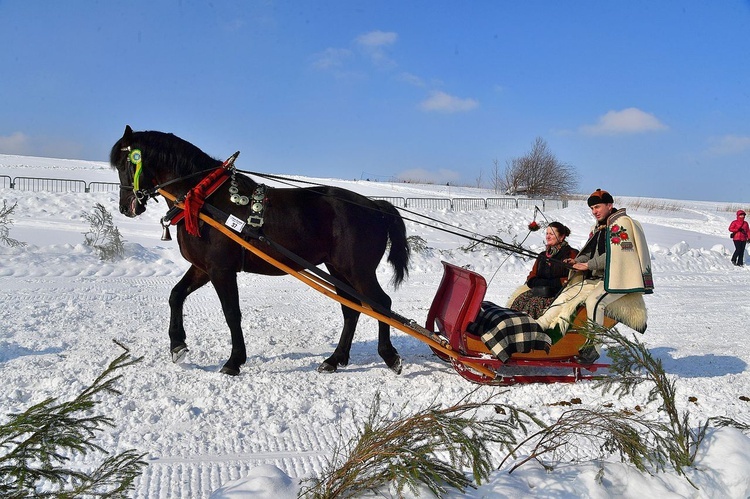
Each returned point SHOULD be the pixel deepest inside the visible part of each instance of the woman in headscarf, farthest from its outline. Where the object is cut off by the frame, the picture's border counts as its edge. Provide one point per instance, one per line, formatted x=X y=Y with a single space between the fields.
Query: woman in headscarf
x=548 y=275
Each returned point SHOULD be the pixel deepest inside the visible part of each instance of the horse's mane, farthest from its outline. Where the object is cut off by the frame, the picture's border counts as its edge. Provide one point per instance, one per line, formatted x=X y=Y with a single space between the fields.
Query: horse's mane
x=182 y=157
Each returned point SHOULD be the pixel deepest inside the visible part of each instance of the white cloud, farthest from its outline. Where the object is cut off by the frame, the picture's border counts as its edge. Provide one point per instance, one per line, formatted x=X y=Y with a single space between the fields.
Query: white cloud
x=441 y=176
x=730 y=144
x=371 y=44
x=374 y=44
x=377 y=39
x=627 y=121
x=331 y=58
x=17 y=143
x=442 y=102
x=411 y=79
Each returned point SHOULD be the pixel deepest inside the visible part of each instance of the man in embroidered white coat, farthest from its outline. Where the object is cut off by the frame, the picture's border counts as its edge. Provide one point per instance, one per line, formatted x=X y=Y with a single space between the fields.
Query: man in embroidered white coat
x=613 y=264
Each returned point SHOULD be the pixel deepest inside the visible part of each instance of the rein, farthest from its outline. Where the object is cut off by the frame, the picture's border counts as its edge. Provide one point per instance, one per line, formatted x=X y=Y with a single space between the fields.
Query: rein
x=468 y=235
x=142 y=195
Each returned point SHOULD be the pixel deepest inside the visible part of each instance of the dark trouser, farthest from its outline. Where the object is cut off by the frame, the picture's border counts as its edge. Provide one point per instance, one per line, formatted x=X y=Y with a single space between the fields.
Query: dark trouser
x=739 y=252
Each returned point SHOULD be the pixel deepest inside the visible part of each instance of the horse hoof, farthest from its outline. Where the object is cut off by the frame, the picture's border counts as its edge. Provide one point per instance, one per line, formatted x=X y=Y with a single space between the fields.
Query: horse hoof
x=325 y=367
x=179 y=353
x=231 y=371
x=397 y=365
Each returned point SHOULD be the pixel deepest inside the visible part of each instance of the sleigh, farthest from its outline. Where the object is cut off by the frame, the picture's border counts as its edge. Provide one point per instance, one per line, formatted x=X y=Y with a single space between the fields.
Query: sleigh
x=457 y=304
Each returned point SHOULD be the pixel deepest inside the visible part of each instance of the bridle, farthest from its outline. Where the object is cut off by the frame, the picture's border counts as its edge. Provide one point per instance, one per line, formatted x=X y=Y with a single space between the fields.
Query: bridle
x=135 y=169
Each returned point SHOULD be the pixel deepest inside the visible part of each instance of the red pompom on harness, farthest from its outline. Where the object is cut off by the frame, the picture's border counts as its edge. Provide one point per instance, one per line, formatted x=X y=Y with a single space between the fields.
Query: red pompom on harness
x=196 y=197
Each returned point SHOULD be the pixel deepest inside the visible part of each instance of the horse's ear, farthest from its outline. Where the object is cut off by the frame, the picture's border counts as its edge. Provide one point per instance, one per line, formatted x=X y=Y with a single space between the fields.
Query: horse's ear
x=128 y=132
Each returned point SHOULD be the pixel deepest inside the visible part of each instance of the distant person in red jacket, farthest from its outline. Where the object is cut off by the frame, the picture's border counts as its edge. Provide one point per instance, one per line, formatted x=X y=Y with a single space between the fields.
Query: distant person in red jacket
x=740 y=234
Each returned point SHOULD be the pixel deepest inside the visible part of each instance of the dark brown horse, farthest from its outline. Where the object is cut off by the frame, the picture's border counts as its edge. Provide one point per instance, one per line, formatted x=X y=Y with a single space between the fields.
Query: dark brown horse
x=341 y=229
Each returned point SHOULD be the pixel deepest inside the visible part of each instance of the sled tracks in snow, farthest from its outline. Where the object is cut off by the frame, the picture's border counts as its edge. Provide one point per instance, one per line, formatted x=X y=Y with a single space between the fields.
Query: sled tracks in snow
x=198 y=476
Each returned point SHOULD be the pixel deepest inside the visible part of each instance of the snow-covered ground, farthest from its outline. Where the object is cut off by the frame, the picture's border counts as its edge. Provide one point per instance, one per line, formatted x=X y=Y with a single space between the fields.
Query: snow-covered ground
x=257 y=434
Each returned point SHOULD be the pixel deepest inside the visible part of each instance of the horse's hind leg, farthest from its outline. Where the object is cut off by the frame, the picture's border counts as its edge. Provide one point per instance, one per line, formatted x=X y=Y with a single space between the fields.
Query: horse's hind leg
x=340 y=356
x=192 y=280
x=374 y=292
x=385 y=348
x=387 y=351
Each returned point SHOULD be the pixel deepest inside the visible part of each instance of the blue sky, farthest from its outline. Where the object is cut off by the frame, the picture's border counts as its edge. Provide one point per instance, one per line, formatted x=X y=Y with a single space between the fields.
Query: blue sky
x=643 y=98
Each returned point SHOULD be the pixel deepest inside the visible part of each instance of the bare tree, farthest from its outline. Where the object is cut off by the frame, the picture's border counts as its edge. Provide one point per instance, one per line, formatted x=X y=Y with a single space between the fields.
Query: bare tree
x=539 y=173
x=479 y=180
x=497 y=181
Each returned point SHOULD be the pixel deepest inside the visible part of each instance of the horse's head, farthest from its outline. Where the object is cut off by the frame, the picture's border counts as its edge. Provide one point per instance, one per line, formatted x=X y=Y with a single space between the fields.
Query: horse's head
x=127 y=158
x=146 y=160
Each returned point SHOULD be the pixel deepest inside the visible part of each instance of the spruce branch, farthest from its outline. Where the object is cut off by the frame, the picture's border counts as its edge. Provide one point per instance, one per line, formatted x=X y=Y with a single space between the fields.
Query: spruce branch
x=642 y=441
x=632 y=364
x=5 y=223
x=103 y=234
x=417 y=244
x=37 y=445
x=723 y=422
x=491 y=241
x=612 y=432
x=432 y=447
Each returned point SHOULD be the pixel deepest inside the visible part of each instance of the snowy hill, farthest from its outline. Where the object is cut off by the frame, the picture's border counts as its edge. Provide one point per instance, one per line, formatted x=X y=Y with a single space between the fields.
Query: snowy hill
x=62 y=307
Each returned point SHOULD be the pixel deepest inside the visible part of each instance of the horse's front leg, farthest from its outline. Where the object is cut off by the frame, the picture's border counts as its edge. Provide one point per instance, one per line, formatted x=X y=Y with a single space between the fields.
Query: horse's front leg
x=192 y=280
x=225 y=283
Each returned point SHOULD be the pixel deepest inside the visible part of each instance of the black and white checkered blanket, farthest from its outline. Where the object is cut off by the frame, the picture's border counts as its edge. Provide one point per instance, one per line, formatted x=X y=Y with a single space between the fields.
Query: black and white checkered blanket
x=507 y=331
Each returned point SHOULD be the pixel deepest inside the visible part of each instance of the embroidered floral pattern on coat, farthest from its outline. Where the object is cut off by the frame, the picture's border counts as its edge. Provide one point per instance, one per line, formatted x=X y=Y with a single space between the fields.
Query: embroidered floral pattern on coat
x=617 y=234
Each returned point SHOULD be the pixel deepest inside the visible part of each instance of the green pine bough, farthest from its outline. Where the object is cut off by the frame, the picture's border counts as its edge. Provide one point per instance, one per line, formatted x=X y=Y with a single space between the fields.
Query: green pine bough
x=36 y=446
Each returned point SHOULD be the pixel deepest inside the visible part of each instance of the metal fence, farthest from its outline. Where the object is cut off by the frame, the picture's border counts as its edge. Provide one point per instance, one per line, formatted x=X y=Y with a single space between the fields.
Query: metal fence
x=103 y=187
x=466 y=204
x=40 y=184
x=36 y=184
x=509 y=203
x=395 y=201
x=430 y=203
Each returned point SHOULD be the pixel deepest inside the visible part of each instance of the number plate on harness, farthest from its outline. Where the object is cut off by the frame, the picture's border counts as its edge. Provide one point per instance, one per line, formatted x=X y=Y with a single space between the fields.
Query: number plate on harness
x=235 y=223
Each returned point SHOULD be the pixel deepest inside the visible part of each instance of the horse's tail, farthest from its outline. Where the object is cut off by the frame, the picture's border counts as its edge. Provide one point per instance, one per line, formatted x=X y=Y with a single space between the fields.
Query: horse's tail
x=400 y=252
